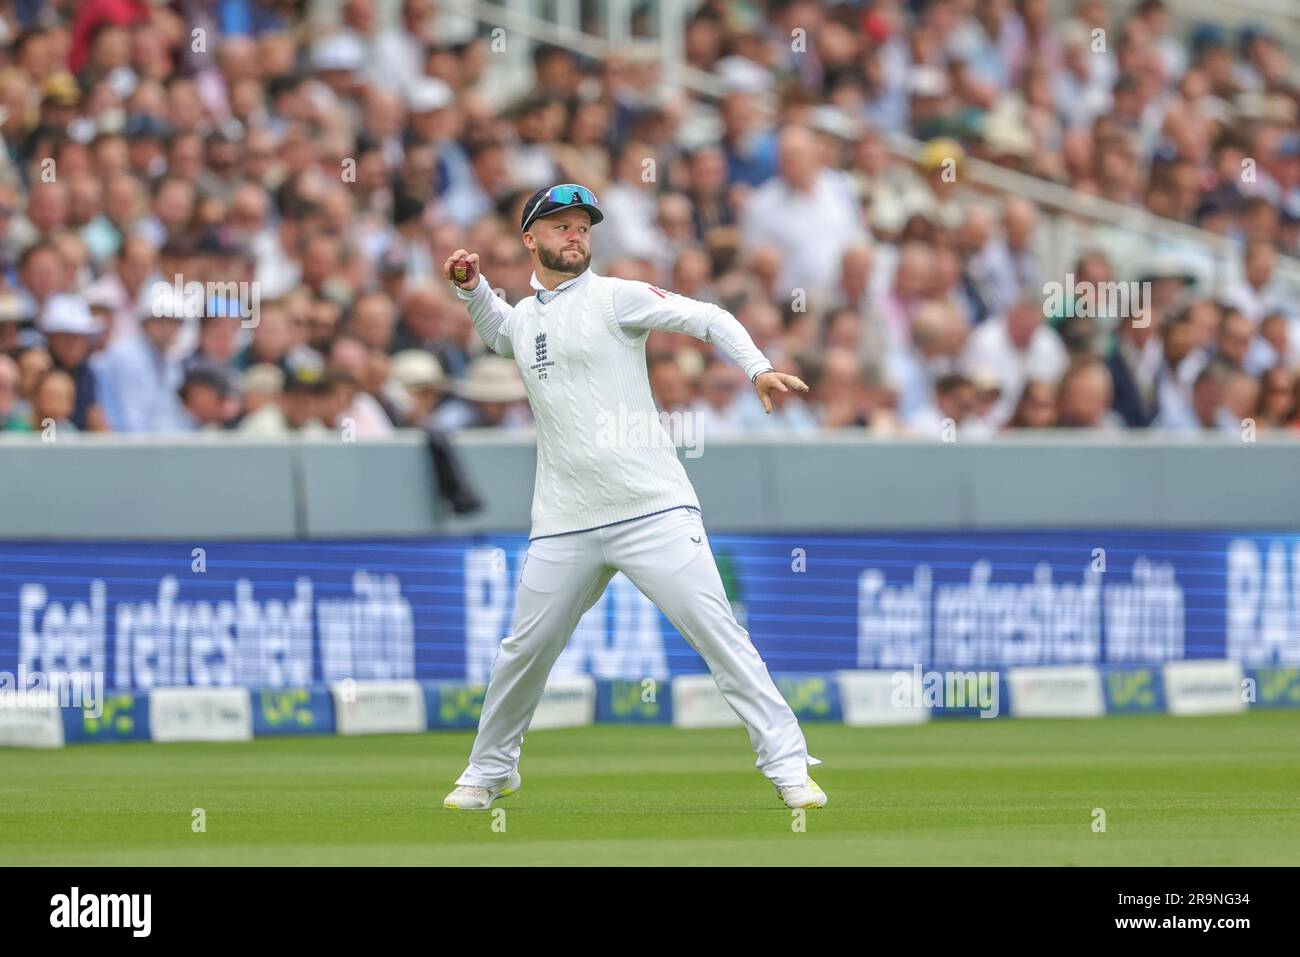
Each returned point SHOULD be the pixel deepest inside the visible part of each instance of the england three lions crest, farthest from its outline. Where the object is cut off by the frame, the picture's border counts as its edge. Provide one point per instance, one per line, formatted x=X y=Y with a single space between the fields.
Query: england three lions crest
x=542 y=363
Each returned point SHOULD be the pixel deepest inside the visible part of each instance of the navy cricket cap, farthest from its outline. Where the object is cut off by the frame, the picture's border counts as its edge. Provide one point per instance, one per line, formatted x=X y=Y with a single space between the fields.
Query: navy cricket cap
x=553 y=199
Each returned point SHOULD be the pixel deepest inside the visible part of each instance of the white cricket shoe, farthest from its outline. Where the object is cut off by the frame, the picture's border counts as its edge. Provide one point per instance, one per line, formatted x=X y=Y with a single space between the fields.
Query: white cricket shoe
x=467 y=798
x=806 y=795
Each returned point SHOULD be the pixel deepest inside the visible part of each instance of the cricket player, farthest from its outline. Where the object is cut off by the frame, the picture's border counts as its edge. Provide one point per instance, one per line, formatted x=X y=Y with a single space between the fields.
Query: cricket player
x=601 y=506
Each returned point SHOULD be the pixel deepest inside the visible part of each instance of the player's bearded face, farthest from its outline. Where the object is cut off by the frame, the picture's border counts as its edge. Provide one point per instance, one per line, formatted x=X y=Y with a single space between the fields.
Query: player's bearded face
x=565 y=254
x=563 y=258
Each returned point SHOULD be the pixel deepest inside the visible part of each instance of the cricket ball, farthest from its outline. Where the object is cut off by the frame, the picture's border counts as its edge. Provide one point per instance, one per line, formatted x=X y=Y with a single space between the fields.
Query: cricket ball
x=462 y=271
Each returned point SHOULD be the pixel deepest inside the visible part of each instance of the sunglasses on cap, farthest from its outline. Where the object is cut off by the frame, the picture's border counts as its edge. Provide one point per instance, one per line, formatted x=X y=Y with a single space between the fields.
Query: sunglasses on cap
x=569 y=194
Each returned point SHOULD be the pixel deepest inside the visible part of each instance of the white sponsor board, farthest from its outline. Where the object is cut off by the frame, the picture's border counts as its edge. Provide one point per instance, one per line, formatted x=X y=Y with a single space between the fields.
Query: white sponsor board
x=378 y=707
x=1203 y=687
x=30 y=720
x=882 y=697
x=200 y=714
x=1064 y=691
x=566 y=703
x=697 y=703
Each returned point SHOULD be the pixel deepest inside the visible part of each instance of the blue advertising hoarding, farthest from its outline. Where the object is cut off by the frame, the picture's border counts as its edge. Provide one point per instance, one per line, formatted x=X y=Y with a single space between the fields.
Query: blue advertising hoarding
x=293 y=615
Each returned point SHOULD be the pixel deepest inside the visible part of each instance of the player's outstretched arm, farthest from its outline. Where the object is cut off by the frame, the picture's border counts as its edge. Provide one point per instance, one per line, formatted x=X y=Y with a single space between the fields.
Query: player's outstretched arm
x=641 y=307
x=490 y=313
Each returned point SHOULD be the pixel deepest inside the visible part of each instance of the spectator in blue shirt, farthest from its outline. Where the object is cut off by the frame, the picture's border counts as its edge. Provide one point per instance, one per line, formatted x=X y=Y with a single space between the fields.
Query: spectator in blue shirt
x=138 y=381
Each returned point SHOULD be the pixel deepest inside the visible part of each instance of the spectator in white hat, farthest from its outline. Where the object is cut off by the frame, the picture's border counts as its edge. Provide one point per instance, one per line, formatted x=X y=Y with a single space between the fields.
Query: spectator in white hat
x=492 y=394
x=71 y=332
x=433 y=122
x=421 y=377
x=338 y=61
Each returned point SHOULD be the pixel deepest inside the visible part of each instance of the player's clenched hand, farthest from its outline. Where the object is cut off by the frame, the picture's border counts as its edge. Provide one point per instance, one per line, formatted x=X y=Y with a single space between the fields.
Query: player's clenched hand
x=769 y=383
x=461 y=257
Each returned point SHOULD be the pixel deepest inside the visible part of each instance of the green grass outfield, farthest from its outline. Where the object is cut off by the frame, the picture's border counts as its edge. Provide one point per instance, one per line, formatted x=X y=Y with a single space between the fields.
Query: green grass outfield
x=1212 y=790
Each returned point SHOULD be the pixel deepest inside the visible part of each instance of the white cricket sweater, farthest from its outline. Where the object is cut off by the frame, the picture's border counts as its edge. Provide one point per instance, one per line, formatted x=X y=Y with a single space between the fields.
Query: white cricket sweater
x=602 y=455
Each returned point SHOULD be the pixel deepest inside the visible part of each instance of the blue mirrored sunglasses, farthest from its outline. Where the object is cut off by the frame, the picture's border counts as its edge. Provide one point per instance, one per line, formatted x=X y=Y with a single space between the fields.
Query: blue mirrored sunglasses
x=571 y=193
x=564 y=195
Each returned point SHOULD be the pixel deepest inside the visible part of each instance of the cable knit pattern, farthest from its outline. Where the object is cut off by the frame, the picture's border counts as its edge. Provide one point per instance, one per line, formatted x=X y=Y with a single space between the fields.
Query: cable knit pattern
x=602 y=454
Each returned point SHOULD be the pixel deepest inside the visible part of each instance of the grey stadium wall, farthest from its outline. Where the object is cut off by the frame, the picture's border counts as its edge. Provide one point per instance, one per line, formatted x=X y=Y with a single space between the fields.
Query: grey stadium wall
x=229 y=487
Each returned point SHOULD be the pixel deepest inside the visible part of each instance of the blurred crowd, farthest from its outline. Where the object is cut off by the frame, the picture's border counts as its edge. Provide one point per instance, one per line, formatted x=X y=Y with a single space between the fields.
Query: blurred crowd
x=311 y=170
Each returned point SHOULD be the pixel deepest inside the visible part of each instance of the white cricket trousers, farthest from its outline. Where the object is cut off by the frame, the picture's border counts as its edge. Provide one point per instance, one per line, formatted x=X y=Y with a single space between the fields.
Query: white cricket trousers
x=667 y=557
